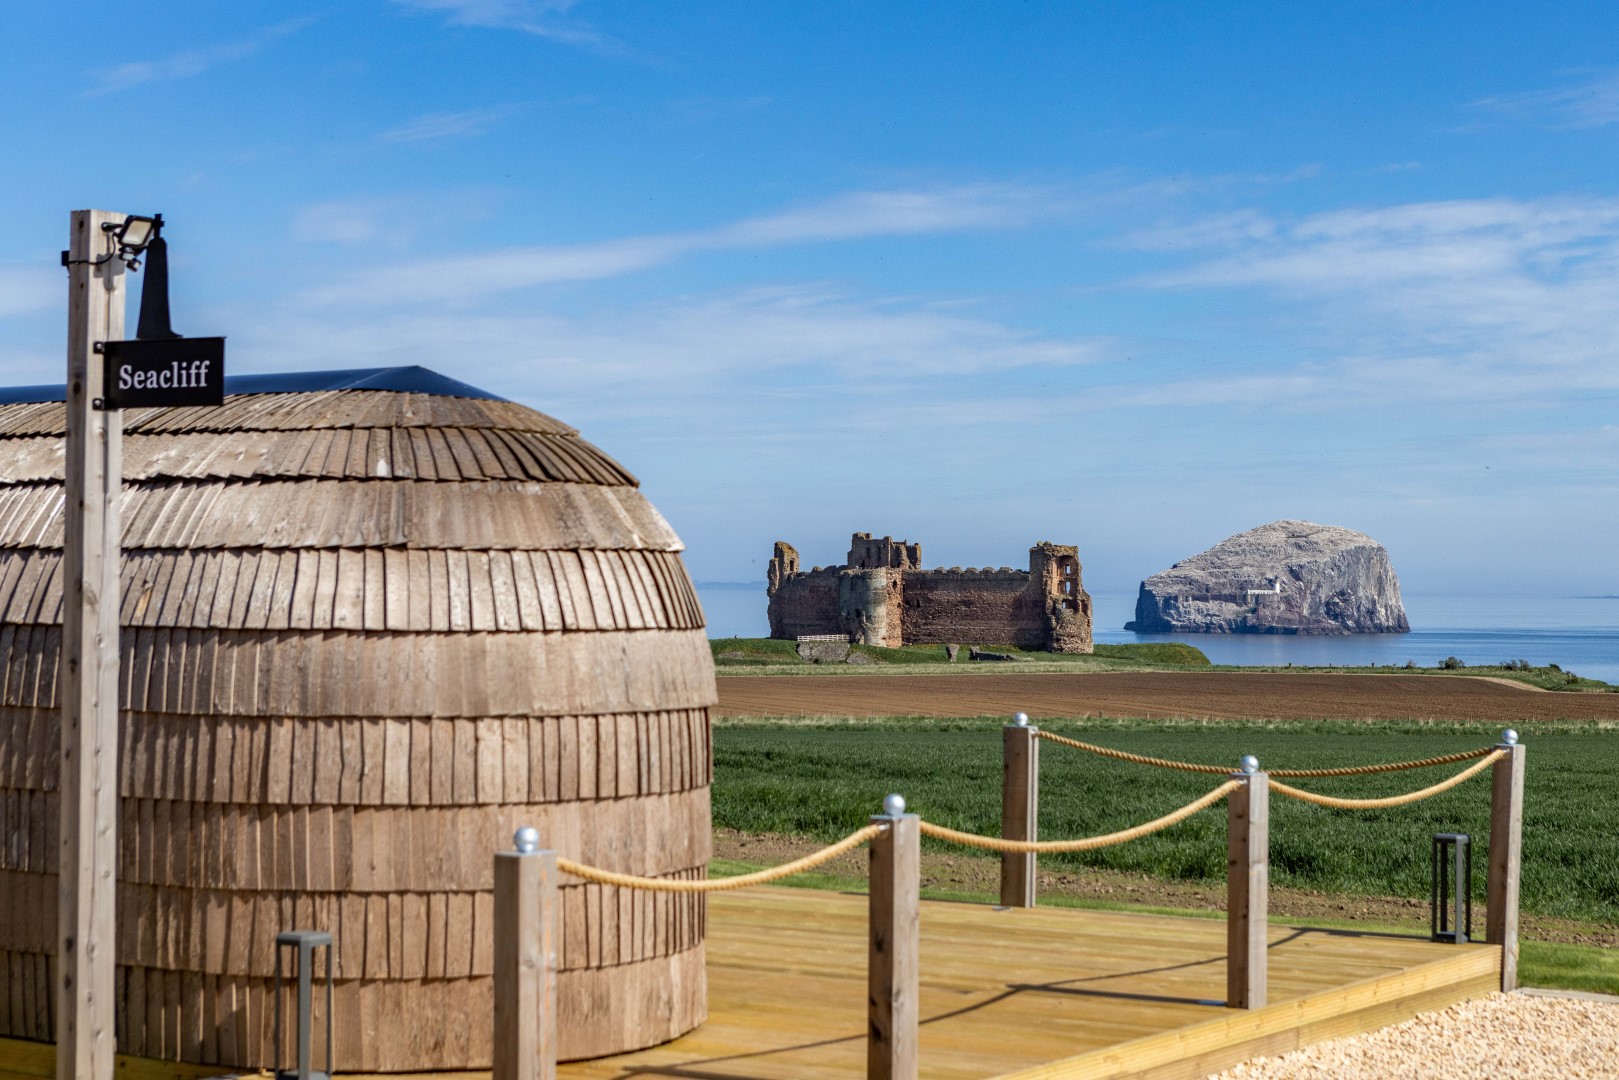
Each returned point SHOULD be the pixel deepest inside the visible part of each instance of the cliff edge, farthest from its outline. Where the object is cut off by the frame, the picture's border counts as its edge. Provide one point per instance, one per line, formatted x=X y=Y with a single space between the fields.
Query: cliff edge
x=1288 y=577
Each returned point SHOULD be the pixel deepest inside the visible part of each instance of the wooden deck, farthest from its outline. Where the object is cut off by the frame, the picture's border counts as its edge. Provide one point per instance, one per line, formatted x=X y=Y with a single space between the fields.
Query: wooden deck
x=1044 y=992
x=1032 y=993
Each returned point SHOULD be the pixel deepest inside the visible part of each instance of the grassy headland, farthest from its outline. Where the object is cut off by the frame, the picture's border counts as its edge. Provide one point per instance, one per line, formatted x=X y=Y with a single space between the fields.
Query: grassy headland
x=767 y=656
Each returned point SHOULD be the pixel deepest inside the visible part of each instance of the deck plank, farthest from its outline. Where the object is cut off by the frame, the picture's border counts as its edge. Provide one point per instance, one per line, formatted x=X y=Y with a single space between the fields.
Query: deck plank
x=1057 y=991
x=1031 y=993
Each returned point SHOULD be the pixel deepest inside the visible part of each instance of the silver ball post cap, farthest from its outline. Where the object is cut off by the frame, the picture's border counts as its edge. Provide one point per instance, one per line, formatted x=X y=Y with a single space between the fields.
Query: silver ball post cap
x=527 y=839
x=1509 y=737
x=1021 y=719
x=894 y=805
x=1249 y=764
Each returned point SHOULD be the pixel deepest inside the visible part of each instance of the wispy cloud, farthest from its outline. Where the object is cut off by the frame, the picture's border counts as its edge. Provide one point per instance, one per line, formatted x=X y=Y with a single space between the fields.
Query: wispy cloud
x=184 y=65
x=847 y=217
x=1593 y=103
x=782 y=337
x=542 y=18
x=1463 y=240
x=892 y=213
x=350 y=221
x=752 y=372
x=436 y=126
x=1496 y=300
x=1235 y=229
x=391 y=221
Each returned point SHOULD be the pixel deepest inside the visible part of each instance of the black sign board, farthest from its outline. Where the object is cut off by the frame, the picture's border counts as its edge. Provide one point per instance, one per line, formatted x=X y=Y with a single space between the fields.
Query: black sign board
x=177 y=371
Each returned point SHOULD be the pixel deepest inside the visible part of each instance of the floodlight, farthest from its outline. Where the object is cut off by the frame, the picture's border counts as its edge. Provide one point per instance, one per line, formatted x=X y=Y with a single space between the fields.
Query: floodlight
x=134 y=236
x=136 y=232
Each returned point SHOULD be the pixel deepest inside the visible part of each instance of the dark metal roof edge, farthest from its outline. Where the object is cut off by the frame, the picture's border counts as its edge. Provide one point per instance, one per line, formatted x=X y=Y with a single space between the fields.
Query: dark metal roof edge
x=411 y=379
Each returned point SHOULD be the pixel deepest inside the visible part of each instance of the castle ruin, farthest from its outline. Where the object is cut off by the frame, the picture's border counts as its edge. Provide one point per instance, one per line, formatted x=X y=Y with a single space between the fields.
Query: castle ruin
x=884 y=597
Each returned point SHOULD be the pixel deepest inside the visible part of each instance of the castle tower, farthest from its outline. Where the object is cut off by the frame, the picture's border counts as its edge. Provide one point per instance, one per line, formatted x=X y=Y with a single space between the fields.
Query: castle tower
x=783 y=564
x=885 y=554
x=1054 y=571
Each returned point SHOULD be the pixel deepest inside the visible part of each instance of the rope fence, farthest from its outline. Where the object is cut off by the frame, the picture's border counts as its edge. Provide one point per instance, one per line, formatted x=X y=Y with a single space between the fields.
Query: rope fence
x=860 y=836
x=528 y=920
x=1186 y=766
x=1485 y=758
x=1089 y=843
x=741 y=881
x=1490 y=758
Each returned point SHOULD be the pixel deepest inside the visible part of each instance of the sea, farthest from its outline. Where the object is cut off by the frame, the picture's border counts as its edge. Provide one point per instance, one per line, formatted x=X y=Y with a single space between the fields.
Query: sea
x=1577 y=633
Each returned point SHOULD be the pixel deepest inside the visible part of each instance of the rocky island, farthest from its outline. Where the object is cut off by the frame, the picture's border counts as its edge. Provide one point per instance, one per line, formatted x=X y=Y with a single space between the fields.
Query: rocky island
x=1288 y=577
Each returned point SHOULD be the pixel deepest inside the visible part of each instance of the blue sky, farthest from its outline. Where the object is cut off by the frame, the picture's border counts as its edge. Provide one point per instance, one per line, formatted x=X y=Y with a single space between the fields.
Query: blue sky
x=1135 y=277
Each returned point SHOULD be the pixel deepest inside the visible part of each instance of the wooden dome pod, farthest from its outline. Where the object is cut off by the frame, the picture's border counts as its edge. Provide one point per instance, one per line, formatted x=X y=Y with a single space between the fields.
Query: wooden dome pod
x=373 y=623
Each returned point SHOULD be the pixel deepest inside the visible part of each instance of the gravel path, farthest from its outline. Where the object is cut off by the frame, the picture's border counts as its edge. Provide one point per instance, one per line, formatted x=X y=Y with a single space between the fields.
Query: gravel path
x=1503 y=1036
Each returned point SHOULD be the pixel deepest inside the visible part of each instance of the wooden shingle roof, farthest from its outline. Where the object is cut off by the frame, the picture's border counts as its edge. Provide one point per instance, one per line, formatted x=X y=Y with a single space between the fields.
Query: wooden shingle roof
x=372 y=622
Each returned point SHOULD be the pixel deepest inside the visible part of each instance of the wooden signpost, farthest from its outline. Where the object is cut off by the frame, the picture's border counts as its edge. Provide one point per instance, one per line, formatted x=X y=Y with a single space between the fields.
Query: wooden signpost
x=89 y=666
x=97 y=359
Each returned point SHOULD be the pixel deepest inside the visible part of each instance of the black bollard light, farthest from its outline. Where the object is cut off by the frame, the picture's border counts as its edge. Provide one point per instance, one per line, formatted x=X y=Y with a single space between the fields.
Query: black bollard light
x=303 y=943
x=1450 y=912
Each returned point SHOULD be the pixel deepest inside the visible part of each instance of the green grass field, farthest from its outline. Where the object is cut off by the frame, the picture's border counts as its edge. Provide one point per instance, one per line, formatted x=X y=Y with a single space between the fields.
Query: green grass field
x=766 y=656
x=824 y=779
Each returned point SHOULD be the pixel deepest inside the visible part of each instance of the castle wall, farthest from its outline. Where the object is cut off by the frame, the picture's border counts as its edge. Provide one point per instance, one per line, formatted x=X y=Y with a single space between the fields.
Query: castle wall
x=806 y=603
x=985 y=607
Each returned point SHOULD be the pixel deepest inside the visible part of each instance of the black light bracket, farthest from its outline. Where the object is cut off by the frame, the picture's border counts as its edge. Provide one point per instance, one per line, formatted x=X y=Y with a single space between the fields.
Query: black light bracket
x=154 y=317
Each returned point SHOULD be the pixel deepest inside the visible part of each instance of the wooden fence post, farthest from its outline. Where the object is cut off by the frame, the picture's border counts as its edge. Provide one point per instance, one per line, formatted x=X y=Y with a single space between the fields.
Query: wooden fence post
x=893 y=967
x=1020 y=808
x=1506 y=851
x=526 y=916
x=1247 y=887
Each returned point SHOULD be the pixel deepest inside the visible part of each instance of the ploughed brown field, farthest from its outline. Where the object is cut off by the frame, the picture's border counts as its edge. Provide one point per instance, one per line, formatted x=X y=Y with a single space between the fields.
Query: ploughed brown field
x=1212 y=695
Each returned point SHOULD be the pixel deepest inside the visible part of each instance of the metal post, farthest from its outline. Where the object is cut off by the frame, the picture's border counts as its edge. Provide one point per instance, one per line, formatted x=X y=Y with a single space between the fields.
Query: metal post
x=1450 y=902
x=526 y=917
x=303 y=943
x=88 y=788
x=331 y=1017
x=306 y=1009
x=893 y=973
x=1247 y=887
x=1020 y=808
x=1506 y=854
